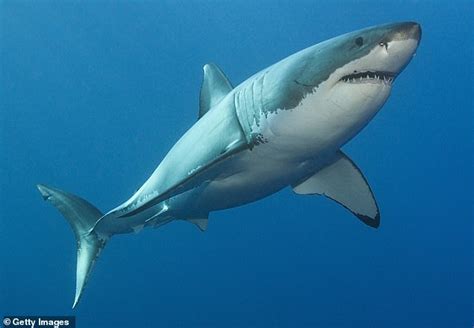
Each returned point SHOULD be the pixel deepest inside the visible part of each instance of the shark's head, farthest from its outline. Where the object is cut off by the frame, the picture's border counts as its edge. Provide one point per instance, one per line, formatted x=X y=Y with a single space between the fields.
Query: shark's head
x=340 y=83
x=364 y=59
x=367 y=60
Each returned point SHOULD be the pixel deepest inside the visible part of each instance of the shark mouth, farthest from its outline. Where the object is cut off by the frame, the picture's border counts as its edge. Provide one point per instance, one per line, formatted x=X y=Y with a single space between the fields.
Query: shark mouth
x=369 y=77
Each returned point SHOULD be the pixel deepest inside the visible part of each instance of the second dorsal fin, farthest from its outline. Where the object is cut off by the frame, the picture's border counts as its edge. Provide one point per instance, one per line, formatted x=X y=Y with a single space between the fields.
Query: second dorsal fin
x=215 y=86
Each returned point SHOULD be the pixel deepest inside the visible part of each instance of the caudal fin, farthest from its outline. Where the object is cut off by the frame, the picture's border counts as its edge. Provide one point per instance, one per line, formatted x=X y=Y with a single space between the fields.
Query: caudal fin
x=82 y=217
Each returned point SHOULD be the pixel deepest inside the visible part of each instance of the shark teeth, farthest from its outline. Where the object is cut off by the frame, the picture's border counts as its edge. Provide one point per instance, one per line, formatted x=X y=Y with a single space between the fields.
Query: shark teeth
x=370 y=76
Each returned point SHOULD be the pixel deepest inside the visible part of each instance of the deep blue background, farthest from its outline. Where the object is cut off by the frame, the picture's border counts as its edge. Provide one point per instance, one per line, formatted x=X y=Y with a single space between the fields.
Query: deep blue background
x=94 y=94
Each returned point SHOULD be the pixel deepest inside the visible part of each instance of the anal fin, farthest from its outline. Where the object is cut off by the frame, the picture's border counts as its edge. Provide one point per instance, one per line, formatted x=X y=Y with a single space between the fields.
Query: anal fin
x=200 y=223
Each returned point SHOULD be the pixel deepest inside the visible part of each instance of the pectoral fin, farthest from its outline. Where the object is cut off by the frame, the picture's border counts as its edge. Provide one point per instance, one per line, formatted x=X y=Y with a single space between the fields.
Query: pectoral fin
x=343 y=182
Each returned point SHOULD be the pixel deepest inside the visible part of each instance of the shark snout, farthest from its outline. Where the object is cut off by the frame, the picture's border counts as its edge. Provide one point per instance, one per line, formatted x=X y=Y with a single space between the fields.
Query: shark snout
x=406 y=31
x=415 y=32
x=401 y=42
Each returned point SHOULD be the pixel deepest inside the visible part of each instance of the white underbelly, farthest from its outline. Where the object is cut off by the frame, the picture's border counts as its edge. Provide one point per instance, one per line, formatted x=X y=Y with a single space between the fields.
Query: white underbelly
x=246 y=177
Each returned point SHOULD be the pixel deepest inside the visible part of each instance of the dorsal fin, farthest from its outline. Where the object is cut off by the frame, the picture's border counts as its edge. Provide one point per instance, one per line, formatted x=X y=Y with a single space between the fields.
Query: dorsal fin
x=215 y=86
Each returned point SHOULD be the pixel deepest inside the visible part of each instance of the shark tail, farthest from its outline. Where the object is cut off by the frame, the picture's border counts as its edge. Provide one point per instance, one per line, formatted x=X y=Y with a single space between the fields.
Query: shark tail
x=82 y=217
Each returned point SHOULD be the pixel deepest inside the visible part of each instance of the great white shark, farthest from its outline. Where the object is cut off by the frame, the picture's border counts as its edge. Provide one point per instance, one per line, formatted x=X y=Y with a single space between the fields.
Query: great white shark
x=283 y=126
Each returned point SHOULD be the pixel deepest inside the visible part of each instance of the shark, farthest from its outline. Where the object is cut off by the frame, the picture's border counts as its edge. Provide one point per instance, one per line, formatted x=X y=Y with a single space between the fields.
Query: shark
x=282 y=127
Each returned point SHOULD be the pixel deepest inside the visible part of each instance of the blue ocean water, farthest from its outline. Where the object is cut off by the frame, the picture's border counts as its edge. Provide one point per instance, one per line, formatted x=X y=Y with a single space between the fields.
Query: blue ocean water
x=93 y=95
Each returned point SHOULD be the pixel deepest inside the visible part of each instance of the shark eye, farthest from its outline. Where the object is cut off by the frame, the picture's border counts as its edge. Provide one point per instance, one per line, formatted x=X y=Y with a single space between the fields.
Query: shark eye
x=383 y=44
x=359 y=41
